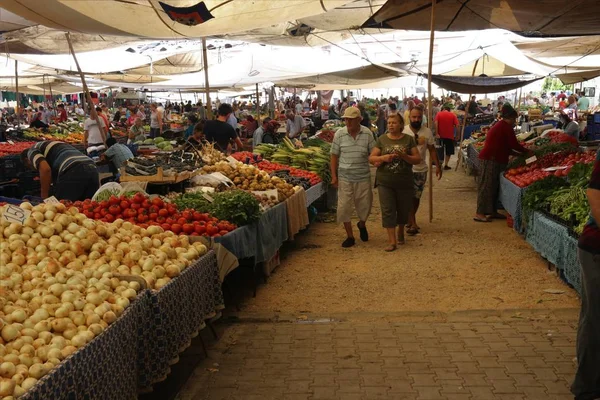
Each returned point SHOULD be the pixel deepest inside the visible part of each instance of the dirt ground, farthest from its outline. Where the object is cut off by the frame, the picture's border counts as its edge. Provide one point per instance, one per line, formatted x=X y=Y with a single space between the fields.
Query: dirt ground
x=454 y=264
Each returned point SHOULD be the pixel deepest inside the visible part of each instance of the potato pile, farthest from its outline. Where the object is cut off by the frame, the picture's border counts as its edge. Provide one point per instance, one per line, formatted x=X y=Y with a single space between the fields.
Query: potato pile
x=250 y=178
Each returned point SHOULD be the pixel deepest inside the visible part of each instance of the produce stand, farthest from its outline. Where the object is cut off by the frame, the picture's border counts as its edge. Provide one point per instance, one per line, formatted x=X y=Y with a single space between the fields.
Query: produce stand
x=106 y=368
x=511 y=197
x=159 y=177
x=553 y=241
x=470 y=129
x=315 y=192
x=175 y=315
x=297 y=213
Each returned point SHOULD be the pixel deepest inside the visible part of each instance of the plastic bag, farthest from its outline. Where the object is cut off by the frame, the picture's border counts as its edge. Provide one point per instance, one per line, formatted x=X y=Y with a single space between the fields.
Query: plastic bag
x=111 y=188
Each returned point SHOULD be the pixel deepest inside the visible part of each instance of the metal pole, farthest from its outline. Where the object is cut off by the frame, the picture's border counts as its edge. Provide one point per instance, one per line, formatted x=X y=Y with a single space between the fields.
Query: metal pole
x=17 y=88
x=272 y=102
x=93 y=113
x=429 y=111
x=257 y=105
x=206 y=83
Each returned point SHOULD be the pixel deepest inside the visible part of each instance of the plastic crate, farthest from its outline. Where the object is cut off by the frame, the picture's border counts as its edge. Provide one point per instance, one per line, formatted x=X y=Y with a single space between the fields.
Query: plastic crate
x=597 y=118
x=10 y=167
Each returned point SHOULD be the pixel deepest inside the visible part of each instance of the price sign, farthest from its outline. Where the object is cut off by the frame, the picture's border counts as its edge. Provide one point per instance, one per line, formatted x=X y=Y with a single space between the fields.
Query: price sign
x=531 y=160
x=208 y=197
x=51 y=200
x=232 y=160
x=15 y=214
x=10 y=142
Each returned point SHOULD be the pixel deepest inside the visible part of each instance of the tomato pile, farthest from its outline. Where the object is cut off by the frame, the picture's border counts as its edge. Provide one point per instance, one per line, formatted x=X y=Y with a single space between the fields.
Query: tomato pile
x=561 y=137
x=144 y=212
x=525 y=176
x=15 y=148
x=296 y=172
x=244 y=156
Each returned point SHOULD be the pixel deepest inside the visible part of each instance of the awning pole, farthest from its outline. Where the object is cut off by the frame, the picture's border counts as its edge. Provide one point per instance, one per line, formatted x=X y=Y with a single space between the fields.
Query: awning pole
x=51 y=95
x=17 y=88
x=272 y=102
x=181 y=98
x=93 y=113
x=257 y=105
x=429 y=110
x=206 y=83
x=462 y=131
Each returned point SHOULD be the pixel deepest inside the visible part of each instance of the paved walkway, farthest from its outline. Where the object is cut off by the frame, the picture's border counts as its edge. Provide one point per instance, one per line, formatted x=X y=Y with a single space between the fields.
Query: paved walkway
x=512 y=355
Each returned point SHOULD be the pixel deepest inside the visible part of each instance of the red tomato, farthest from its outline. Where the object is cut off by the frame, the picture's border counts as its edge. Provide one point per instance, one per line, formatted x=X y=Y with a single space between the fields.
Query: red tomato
x=187 y=215
x=163 y=212
x=88 y=214
x=223 y=233
x=114 y=209
x=188 y=229
x=109 y=218
x=197 y=216
x=176 y=228
x=200 y=229
x=172 y=209
x=97 y=216
x=166 y=227
x=104 y=204
x=124 y=205
x=113 y=200
x=161 y=220
x=152 y=209
x=131 y=213
x=157 y=201
x=146 y=204
x=182 y=221
x=153 y=216
x=211 y=229
x=171 y=221
x=104 y=212
x=215 y=235
x=142 y=218
x=136 y=206
x=139 y=198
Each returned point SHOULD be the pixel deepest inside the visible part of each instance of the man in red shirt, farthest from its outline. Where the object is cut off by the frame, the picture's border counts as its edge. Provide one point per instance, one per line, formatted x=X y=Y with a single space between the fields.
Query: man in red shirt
x=445 y=123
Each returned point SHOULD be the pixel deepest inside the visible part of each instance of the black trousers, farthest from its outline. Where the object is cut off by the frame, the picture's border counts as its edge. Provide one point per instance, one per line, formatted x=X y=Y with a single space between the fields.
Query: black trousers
x=79 y=182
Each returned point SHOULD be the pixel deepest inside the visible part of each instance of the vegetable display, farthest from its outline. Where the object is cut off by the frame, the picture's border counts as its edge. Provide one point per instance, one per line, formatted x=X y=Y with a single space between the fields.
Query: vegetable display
x=240 y=207
x=15 y=148
x=144 y=212
x=314 y=159
x=60 y=284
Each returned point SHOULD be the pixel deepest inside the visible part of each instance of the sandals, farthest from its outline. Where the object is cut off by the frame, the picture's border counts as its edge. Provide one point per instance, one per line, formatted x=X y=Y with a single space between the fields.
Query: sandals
x=390 y=248
x=478 y=219
x=412 y=231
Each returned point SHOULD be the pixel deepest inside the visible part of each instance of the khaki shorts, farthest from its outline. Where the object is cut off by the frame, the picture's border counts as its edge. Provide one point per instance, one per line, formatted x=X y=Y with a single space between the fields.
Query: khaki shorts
x=354 y=196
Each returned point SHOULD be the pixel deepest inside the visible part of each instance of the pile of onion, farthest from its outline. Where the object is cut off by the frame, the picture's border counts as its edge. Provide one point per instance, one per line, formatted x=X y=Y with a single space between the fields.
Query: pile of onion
x=59 y=287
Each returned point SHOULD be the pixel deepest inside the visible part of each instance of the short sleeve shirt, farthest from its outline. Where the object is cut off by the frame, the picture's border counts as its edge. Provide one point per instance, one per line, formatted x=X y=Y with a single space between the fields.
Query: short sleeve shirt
x=118 y=153
x=423 y=139
x=219 y=132
x=353 y=154
x=60 y=156
x=397 y=173
x=94 y=132
x=446 y=122
x=296 y=126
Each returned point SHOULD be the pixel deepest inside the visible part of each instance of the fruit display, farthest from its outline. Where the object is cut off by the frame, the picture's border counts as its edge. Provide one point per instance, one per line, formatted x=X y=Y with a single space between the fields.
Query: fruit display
x=67 y=137
x=146 y=212
x=61 y=284
x=248 y=177
x=15 y=148
x=557 y=164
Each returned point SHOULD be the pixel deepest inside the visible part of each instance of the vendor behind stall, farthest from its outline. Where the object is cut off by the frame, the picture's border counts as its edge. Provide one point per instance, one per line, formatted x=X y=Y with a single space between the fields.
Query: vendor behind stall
x=500 y=143
x=196 y=140
x=74 y=175
x=94 y=132
x=570 y=127
x=117 y=154
x=137 y=132
x=36 y=121
x=193 y=120
x=62 y=113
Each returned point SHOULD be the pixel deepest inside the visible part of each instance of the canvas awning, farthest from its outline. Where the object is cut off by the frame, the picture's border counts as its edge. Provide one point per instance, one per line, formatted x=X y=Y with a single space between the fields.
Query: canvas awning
x=478 y=84
x=526 y=17
x=576 y=77
x=347 y=79
x=560 y=47
x=147 y=19
x=486 y=65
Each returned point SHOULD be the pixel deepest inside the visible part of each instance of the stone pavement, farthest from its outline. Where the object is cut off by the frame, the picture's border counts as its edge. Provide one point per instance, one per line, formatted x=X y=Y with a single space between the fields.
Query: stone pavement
x=506 y=357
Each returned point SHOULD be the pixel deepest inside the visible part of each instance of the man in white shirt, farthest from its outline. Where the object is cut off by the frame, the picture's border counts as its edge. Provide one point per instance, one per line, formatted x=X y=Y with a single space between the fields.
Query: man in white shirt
x=79 y=111
x=94 y=134
x=294 y=125
x=425 y=141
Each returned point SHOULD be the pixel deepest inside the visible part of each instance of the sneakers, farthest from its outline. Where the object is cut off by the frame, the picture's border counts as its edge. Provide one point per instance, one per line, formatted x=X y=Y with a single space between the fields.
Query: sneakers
x=364 y=234
x=349 y=242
